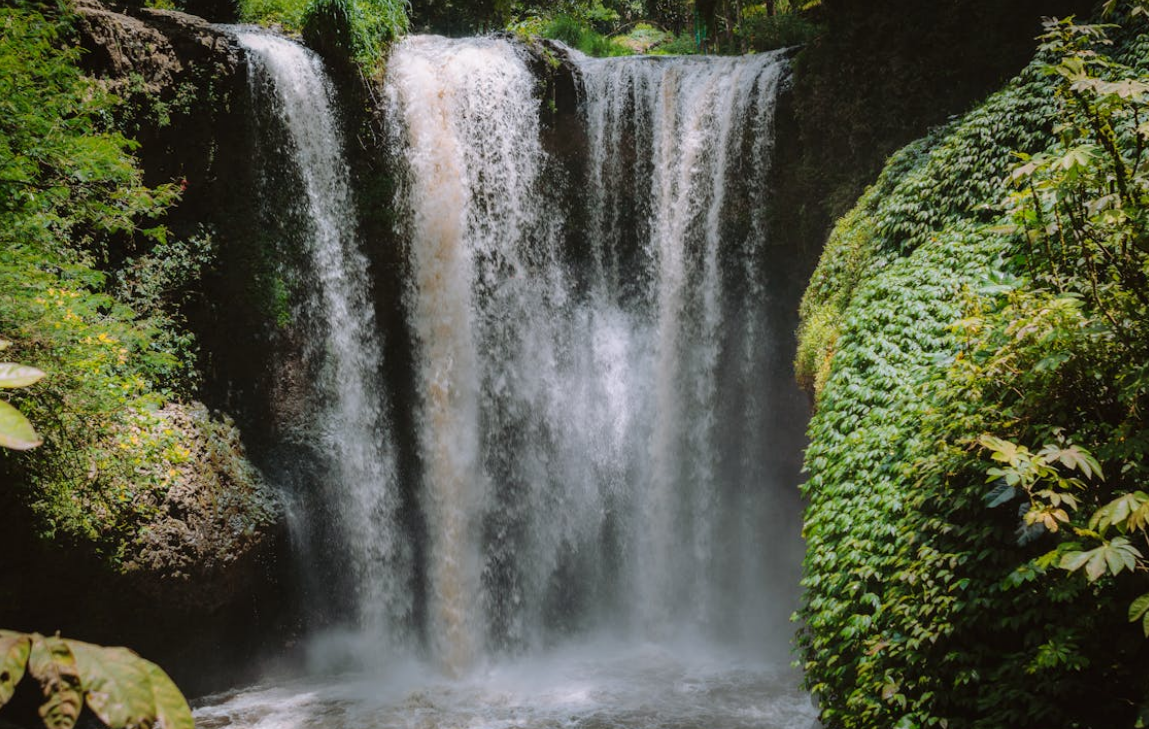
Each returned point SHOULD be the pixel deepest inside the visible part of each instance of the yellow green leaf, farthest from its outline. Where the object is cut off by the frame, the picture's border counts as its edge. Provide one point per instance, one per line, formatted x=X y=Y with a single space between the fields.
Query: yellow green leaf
x=116 y=687
x=124 y=690
x=14 y=649
x=172 y=708
x=16 y=375
x=51 y=662
x=15 y=430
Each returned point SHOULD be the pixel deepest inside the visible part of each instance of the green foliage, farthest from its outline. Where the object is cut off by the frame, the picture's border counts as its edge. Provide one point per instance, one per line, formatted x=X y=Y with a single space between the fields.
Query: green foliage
x=90 y=285
x=878 y=76
x=121 y=689
x=72 y=191
x=63 y=175
x=1081 y=209
x=643 y=38
x=287 y=14
x=356 y=30
x=683 y=44
x=944 y=324
x=611 y=28
x=604 y=16
x=576 y=33
x=1036 y=476
x=760 y=31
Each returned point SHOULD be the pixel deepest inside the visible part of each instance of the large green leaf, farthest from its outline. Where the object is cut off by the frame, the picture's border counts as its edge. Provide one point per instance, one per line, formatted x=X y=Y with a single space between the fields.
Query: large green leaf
x=52 y=664
x=1139 y=607
x=116 y=686
x=172 y=708
x=15 y=430
x=16 y=375
x=14 y=649
x=1073 y=561
x=124 y=690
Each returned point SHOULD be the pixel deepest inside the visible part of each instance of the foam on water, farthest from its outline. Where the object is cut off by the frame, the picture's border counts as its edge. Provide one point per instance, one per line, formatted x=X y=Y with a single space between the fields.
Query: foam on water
x=601 y=684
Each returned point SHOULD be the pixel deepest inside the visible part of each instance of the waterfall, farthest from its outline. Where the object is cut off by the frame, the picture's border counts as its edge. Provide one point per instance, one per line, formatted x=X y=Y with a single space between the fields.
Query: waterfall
x=593 y=520
x=591 y=444
x=699 y=132
x=340 y=330
x=483 y=271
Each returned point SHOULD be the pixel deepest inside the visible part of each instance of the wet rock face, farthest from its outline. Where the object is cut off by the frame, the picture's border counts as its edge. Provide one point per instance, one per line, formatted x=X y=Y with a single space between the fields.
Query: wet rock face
x=158 y=47
x=202 y=586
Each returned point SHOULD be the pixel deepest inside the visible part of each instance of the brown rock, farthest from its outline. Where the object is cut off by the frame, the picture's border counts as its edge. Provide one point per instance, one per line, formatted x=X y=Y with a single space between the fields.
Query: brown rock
x=213 y=524
x=156 y=47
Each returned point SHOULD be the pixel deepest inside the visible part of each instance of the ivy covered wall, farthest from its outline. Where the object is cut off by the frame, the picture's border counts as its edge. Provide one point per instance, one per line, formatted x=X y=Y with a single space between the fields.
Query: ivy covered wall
x=942 y=581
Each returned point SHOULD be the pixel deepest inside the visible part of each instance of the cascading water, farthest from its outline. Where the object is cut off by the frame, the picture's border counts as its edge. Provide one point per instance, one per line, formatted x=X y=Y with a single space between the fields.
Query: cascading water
x=341 y=329
x=572 y=434
x=484 y=277
x=604 y=542
x=679 y=152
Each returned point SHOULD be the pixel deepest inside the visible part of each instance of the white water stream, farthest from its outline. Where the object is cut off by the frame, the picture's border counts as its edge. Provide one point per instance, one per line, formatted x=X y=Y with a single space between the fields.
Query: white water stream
x=351 y=423
x=573 y=435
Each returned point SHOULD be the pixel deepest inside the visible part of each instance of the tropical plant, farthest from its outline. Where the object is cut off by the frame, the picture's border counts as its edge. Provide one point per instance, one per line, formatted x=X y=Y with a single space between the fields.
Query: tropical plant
x=1081 y=208
x=579 y=34
x=762 y=30
x=16 y=432
x=977 y=463
x=120 y=688
x=356 y=30
x=90 y=283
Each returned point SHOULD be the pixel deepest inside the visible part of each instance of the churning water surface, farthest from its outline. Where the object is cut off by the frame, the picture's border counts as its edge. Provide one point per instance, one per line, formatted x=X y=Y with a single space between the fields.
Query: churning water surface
x=600 y=684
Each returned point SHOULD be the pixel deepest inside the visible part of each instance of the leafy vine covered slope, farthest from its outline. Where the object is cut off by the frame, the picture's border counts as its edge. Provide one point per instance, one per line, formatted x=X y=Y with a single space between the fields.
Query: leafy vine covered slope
x=976 y=343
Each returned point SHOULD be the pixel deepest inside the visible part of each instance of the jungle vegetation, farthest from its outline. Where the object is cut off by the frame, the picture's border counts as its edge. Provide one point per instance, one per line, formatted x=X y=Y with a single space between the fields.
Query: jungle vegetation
x=92 y=283
x=596 y=27
x=976 y=337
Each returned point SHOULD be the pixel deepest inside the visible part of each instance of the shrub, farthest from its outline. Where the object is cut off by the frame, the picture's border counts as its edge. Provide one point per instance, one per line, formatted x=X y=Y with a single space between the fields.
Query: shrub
x=762 y=32
x=580 y=35
x=286 y=13
x=119 y=362
x=967 y=338
x=356 y=30
x=683 y=44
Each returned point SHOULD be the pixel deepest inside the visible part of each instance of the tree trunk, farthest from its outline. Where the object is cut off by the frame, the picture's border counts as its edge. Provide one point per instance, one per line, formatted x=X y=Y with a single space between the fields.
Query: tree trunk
x=738 y=26
x=729 y=20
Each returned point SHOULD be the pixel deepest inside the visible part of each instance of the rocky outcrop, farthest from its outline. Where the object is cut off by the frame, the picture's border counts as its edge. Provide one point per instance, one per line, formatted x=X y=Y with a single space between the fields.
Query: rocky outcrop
x=179 y=78
x=152 y=50
x=182 y=550
x=211 y=526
